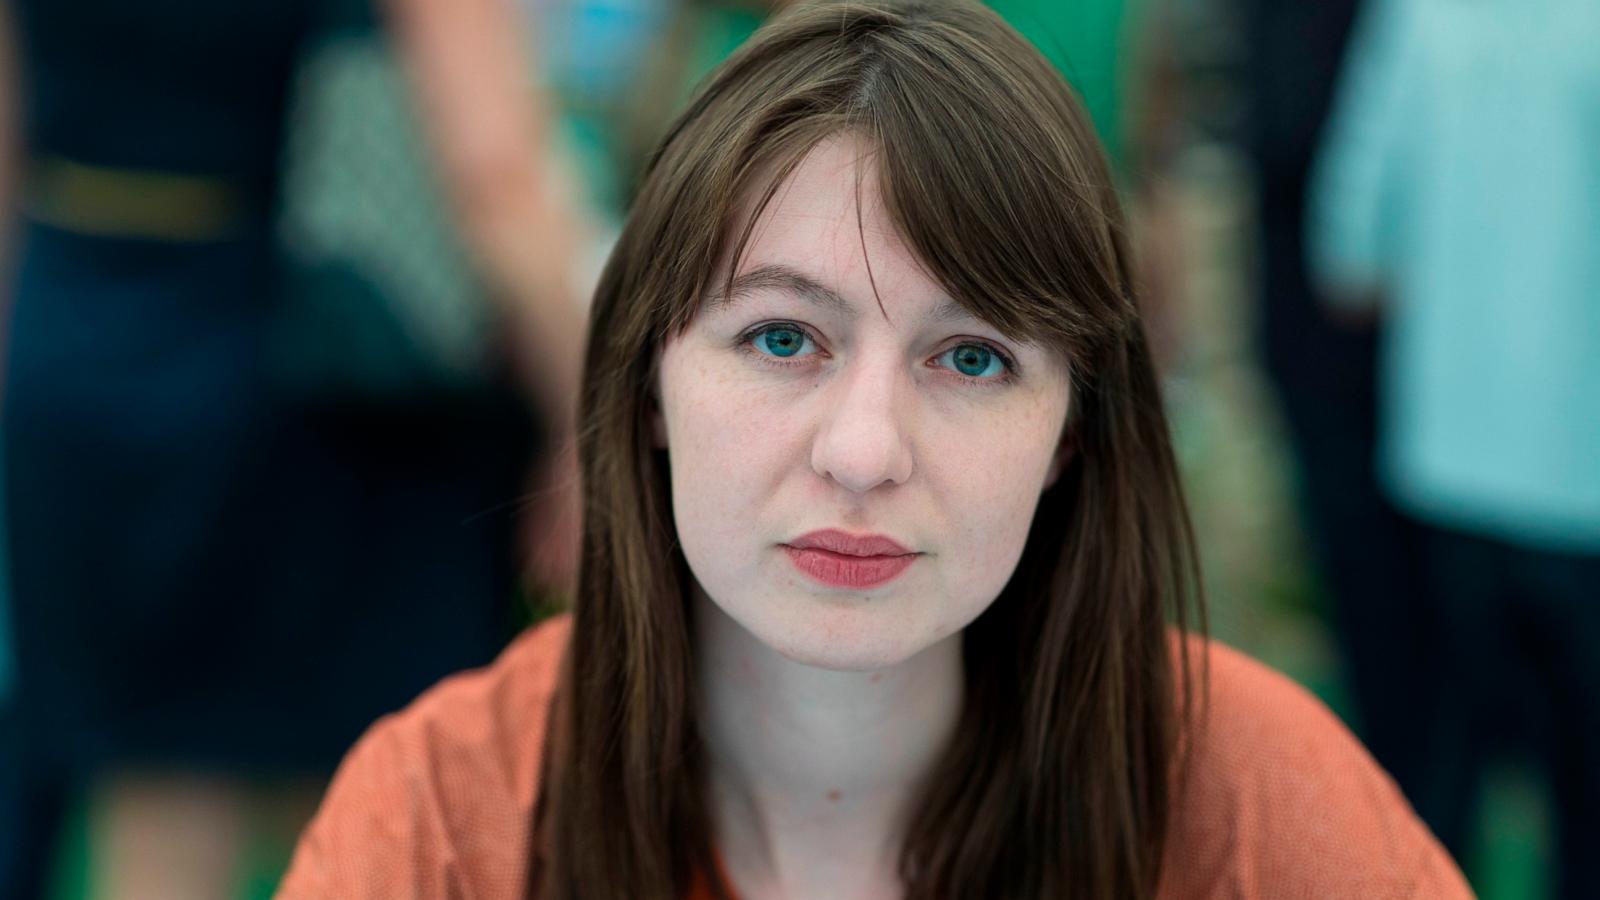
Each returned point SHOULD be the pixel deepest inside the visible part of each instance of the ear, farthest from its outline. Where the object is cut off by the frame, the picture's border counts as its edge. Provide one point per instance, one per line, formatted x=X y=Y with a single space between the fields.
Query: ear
x=1065 y=451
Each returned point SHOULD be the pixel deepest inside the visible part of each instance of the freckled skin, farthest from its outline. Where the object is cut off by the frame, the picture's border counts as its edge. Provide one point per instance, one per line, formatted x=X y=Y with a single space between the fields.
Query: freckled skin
x=864 y=431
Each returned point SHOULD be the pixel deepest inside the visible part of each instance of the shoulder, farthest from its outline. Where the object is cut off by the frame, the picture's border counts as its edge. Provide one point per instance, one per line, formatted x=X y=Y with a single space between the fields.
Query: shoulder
x=1278 y=798
x=437 y=798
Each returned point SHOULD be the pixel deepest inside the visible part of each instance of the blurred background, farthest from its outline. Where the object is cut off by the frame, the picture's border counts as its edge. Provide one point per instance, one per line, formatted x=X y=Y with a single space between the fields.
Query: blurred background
x=293 y=294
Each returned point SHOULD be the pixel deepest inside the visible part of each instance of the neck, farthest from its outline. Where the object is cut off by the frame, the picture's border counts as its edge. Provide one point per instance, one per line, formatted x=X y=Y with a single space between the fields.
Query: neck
x=812 y=771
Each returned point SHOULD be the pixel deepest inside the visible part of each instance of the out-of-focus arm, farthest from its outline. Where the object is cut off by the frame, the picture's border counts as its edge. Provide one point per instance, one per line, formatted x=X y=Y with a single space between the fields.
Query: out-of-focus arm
x=488 y=130
x=1357 y=182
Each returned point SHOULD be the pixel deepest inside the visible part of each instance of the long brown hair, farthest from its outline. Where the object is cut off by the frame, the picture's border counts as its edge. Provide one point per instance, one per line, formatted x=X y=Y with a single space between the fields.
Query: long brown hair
x=1058 y=782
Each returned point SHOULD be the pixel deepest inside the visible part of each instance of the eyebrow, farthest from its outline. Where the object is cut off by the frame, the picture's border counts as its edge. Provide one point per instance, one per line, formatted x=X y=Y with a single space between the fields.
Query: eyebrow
x=779 y=277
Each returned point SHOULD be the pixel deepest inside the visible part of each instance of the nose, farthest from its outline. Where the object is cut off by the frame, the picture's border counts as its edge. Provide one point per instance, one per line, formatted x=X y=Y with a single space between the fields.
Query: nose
x=862 y=441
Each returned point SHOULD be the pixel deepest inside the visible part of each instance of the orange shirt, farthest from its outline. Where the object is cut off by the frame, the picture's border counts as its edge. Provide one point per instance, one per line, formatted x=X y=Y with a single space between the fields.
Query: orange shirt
x=436 y=800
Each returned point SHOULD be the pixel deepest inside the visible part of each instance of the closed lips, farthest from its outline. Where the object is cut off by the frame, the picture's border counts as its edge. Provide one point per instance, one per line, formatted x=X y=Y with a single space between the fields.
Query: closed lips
x=846 y=544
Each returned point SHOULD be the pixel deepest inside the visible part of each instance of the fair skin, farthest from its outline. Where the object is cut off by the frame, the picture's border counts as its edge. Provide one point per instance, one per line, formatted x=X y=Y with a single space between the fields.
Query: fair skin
x=825 y=706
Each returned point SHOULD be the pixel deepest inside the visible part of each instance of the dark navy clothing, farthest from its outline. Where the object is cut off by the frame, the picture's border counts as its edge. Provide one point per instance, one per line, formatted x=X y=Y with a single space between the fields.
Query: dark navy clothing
x=207 y=570
x=173 y=85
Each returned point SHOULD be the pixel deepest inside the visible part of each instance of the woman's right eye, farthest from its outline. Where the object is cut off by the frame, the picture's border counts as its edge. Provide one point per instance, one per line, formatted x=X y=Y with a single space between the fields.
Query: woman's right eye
x=780 y=341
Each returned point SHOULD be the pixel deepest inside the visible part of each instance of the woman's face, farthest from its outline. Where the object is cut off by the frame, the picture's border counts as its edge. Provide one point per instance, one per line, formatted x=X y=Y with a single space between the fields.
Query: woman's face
x=797 y=406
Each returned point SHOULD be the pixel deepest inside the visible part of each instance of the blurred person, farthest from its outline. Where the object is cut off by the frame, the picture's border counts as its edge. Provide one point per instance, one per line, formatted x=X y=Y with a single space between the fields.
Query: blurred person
x=214 y=588
x=1458 y=197
x=832 y=312
x=30 y=805
x=1324 y=370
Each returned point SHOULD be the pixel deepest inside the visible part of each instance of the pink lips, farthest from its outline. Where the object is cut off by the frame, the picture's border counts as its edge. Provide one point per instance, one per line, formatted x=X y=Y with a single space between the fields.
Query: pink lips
x=839 y=559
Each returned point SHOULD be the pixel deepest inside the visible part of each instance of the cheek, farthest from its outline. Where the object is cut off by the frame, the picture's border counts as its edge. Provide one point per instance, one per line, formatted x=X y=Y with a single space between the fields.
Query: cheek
x=727 y=449
x=989 y=525
x=989 y=496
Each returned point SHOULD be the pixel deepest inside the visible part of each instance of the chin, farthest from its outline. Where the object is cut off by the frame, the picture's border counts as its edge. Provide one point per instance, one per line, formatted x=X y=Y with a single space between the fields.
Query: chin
x=844 y=640
x=843 y=659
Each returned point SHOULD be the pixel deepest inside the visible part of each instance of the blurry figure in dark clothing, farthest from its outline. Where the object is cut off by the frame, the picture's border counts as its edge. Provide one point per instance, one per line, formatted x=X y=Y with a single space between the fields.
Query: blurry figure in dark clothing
x=216 y=586
x=1457 y=194
x=31 y=803
x=1324 y=370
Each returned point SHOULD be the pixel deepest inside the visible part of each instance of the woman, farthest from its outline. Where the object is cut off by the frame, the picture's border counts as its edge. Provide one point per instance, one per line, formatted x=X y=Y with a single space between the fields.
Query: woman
x=882 y=534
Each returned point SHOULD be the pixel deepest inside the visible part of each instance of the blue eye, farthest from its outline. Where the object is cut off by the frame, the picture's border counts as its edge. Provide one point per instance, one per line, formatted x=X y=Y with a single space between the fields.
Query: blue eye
x=780 y=340
x=975 y=361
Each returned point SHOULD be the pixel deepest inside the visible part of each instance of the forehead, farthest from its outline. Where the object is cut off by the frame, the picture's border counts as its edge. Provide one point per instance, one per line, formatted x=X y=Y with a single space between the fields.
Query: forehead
x=827 y=236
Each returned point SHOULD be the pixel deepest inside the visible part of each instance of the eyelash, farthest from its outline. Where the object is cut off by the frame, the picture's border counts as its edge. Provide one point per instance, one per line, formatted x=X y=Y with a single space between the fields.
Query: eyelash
x=1007 y=377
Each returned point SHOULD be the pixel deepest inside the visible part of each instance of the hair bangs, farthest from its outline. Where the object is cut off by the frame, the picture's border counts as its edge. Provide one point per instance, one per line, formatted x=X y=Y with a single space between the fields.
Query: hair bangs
x=1015 y=215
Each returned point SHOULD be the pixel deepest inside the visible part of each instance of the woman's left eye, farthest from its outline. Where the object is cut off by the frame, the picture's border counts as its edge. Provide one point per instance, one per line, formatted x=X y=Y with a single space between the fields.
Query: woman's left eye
x=975 y=361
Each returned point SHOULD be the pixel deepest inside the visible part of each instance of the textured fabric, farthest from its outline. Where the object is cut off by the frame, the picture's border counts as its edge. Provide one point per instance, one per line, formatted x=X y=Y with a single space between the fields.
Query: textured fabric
x=1281 y=802
x=1460 y=180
